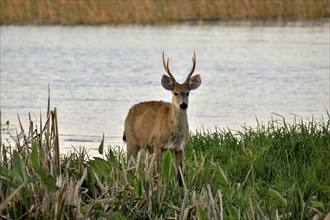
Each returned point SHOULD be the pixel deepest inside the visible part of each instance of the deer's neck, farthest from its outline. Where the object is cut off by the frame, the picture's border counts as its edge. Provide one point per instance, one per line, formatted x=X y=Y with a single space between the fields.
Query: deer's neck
x=179 y=120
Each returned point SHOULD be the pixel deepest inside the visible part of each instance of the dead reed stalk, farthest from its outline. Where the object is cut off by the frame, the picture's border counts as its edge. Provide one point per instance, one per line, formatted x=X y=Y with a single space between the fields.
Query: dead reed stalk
x=34 y=174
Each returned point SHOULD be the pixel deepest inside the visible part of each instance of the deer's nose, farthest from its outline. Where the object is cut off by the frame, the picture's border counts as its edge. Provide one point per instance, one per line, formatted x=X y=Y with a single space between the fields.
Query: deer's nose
x=183 y=105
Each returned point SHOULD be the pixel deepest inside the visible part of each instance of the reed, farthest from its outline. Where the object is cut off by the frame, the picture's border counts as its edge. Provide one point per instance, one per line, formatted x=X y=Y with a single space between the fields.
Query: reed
x=90 y=12
x=274 y=171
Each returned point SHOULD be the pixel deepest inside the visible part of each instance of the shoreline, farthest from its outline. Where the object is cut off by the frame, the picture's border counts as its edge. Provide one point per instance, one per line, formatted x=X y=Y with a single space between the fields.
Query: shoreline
x=220 y=23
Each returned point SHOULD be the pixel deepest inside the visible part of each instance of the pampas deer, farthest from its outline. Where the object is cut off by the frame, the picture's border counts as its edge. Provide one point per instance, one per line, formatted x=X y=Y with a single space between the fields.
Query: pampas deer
x=158 y=125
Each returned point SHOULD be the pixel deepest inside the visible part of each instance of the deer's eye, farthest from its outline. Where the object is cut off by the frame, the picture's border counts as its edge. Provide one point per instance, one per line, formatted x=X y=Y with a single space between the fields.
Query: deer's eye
x=176 y=93
x=187 y=93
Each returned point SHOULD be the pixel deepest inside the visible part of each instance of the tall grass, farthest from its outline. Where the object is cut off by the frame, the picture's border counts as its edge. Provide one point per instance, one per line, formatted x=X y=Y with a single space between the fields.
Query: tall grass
x=154 y=12
x=279 y=170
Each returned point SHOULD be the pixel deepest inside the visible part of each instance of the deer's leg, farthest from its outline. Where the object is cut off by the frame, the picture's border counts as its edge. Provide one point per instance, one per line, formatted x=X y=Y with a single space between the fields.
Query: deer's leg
x=158 y=156
x=132 y=151
x=152 y=171
x=179 y=160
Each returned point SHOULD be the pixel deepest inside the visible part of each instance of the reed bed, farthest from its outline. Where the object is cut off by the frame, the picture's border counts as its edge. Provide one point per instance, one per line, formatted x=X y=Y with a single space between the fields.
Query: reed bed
x=66 y=12
x=277 y=170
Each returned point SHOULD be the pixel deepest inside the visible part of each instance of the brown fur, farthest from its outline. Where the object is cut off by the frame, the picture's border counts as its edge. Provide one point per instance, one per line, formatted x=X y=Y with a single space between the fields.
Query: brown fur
x=149 y=125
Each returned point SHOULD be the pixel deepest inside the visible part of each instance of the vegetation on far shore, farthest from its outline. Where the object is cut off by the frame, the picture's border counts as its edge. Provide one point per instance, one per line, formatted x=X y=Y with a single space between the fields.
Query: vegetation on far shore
x=92 y=12
x=277 y=170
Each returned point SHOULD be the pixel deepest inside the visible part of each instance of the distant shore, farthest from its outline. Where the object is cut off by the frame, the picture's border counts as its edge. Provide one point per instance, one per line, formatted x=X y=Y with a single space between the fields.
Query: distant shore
x=147 y=12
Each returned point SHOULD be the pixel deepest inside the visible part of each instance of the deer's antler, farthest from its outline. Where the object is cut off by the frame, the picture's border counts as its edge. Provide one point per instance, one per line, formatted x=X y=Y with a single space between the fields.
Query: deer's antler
x=192 y=69
x=166 y=67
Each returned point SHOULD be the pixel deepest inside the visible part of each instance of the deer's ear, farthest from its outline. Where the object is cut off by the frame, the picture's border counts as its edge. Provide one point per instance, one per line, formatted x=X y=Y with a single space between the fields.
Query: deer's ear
x=195 y=82
x=167 y=82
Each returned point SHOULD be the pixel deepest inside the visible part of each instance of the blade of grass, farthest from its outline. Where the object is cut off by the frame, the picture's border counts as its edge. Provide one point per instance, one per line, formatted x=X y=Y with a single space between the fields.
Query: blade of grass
x=7 y=200
x=101 y=145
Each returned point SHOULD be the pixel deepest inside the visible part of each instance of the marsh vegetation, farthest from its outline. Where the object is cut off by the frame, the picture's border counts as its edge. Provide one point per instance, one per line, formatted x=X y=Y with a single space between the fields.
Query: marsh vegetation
x=158 y=12
x=278 y=170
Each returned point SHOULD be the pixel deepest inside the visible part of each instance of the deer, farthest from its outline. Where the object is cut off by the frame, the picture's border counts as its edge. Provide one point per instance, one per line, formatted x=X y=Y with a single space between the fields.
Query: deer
x=157 y=125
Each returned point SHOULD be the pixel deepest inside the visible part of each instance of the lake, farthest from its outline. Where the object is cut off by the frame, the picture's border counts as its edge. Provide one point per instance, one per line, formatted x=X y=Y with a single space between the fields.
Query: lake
x=96 y=73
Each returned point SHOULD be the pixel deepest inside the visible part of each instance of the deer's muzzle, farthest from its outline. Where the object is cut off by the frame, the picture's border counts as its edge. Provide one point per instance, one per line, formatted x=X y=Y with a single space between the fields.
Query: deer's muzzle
x=183 y=105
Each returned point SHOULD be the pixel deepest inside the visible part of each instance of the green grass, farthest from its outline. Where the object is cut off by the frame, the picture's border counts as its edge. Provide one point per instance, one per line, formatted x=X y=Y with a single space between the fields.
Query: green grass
x=278 y=170
x=282 y=167
x=95 y=12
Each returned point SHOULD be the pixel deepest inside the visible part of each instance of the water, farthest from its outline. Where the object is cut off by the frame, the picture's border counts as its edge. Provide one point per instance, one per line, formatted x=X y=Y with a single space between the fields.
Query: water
x=97 y=73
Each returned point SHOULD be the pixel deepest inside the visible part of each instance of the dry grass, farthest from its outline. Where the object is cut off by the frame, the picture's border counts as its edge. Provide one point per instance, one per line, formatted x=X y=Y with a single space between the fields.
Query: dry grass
x=67 y=12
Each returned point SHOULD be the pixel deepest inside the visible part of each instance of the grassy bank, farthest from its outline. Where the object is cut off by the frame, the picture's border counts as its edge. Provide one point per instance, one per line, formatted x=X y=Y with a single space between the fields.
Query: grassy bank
x=67 y=12
x=278 y=170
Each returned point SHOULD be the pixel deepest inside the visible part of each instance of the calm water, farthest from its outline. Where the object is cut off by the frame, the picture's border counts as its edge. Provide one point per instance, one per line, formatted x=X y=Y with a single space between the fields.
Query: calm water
x=97 y=73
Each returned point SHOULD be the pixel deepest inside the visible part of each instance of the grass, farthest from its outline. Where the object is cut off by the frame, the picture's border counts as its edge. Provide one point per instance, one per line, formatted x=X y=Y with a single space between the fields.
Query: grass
x=277 y=170
x=67 y=12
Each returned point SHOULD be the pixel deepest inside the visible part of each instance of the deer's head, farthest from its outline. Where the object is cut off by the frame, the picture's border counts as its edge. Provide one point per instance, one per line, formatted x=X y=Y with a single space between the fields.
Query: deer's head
x=180 y=91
